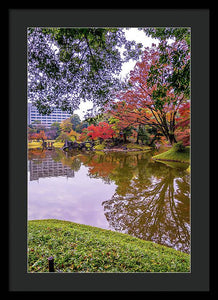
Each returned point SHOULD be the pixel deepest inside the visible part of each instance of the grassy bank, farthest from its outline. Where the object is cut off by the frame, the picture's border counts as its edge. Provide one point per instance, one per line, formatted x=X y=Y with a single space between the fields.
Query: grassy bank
x=188 y=169
x=37 y=145
x=174 y=155
x=123 y=147
x=34 y=145
x=82 y=248
x=138 y=147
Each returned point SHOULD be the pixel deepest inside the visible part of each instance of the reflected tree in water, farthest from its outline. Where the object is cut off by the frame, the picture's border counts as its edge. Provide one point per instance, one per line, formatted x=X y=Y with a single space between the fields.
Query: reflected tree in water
x=71 y=161
x=154 y=208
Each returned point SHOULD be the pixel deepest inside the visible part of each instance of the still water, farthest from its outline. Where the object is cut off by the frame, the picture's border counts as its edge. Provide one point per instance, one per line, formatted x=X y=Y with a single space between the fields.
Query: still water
x=125 y=192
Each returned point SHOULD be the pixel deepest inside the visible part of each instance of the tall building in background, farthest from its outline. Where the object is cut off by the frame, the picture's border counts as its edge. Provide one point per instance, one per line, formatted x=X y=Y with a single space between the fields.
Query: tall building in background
x=56 y=116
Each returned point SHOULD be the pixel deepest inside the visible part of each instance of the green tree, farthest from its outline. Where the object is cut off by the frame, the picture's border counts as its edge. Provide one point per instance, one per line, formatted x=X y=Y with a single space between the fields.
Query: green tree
x=75 y=120
x=56 y=127
x=68 y=65
x=63 y=136
x=79 y=128
x=66 y=125
x=179 y=79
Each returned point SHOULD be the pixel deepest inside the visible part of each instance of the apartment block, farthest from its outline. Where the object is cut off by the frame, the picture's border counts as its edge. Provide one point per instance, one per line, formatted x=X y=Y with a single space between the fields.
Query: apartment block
x=56 y=116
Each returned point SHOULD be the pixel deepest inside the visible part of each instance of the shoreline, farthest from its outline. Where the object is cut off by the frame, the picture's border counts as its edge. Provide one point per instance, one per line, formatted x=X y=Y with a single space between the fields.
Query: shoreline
x=170 y=160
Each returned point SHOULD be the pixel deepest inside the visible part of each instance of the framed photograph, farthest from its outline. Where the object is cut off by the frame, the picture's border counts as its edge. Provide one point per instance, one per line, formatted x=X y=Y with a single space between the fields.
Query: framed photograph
x=108 y=188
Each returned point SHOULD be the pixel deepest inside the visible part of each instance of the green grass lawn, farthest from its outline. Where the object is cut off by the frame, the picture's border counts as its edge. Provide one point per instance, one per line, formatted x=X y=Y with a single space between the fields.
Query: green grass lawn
x=82 y=248
x=137 y=146
x=173 y=155
x=34 y=144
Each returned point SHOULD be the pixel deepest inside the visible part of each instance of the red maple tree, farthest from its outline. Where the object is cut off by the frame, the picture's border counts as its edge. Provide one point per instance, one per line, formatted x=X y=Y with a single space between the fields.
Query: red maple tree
x=183 y=124
x=38 y=136
x=150 y=99
x=103 y=131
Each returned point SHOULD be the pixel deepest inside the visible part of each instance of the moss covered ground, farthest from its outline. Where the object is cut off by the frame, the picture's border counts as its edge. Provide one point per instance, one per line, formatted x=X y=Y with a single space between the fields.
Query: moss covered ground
x=174 y=155
x=83 y=248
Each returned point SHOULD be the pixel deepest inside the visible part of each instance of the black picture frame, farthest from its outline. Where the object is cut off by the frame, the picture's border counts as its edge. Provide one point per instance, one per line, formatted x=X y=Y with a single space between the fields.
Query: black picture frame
x=198 y=278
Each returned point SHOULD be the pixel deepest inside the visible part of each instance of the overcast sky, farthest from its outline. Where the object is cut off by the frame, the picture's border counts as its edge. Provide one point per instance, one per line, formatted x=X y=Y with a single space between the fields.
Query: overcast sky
x=131 y=34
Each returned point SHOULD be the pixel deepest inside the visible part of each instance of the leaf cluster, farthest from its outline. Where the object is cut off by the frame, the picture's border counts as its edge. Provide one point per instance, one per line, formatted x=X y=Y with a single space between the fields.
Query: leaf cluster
x=163 y=33
x=176 y=54
x=67 y=65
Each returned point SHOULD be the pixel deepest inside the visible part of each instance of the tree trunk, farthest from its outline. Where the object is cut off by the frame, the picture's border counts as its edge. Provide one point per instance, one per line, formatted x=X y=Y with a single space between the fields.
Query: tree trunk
x=137 y=140
x=124 y=137
x=153 y=140
x=172 y=129
x=172 y=138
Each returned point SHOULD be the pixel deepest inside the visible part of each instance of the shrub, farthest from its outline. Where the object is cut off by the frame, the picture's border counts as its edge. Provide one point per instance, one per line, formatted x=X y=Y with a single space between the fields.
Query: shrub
x=179 y=147
x=99 y=147
x=88 y=146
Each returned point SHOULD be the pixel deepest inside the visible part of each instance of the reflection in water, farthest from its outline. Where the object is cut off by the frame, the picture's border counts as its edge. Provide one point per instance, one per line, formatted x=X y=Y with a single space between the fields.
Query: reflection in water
x=150 y=200
x=156 y=210
x=48 y=168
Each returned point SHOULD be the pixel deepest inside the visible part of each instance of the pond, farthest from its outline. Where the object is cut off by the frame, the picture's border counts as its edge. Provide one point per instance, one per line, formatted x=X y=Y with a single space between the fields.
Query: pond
x=122 y=191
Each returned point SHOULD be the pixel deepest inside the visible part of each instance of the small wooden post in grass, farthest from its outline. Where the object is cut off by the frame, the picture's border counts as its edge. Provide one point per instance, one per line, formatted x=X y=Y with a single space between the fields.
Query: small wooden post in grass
x=51 y=264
